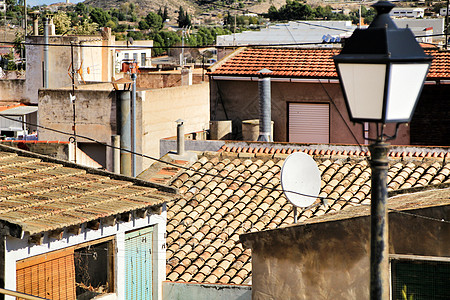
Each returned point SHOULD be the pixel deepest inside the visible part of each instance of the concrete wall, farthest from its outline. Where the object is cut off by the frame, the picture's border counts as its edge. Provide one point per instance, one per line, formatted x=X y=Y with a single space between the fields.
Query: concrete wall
x=95 y=116
x=330 y=260
x=200 y=291
x=18 y=249
x=13 y=89
x=162 y=107
x=239 y=100
x=167 y=145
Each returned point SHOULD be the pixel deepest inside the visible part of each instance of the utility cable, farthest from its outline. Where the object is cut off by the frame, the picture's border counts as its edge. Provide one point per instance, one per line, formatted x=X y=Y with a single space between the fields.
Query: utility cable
x=159 y=160
x=171 y=47
x=323 y=200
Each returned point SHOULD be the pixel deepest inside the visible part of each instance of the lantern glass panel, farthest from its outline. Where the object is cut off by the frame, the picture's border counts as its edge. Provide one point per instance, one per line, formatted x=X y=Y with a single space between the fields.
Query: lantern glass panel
x=364 y=88
x=405 y=83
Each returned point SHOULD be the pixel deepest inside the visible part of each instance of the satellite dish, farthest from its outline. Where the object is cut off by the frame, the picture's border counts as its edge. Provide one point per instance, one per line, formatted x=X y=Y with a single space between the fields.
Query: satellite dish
x=300 y=179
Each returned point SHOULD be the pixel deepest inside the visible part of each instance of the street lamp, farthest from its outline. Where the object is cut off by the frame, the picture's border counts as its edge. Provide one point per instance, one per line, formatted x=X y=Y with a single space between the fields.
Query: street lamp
x=382 y=70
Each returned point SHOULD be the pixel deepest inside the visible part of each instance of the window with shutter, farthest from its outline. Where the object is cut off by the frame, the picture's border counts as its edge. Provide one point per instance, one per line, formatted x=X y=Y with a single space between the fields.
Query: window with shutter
x=420 y=279
x=50 y=275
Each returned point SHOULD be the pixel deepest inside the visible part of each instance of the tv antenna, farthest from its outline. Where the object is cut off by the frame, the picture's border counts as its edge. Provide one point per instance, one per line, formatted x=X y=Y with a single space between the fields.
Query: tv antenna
x=300 y=180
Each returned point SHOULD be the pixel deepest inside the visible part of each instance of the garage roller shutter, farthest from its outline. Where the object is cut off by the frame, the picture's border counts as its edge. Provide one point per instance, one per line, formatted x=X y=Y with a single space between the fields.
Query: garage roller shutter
x=309 y=123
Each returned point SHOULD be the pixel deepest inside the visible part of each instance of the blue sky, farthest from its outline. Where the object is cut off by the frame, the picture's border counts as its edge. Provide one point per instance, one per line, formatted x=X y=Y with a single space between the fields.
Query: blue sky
x=48 y=2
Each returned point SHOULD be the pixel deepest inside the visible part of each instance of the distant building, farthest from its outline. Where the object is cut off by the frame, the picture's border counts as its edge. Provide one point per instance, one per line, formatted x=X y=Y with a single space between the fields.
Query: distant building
x=408 y=12
x=142 y=54
x=289 y=33
x=2 y=5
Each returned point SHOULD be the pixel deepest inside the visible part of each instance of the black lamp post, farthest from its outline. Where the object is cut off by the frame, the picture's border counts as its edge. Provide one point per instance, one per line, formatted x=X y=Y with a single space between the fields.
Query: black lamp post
x=381 y=70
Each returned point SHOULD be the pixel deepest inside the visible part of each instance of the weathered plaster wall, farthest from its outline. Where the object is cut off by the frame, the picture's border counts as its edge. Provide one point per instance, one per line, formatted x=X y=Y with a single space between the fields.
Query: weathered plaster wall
x=162 y=107
x=13 y=89
x=239 y=100
x=199 y=291
x=98 y=60
x=59 y=62
x=330 y=260
x=95 y=116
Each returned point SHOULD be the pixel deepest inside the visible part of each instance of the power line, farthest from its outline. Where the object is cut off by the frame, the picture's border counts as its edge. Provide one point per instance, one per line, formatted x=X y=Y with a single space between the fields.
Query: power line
x=321 y=198
x=170 y=47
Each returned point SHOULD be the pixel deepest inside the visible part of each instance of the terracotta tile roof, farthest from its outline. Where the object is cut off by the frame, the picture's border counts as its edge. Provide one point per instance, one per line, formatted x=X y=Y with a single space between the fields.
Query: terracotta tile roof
x=204 y=225
x=306 y=63
x=40 y=194
x=333 y=150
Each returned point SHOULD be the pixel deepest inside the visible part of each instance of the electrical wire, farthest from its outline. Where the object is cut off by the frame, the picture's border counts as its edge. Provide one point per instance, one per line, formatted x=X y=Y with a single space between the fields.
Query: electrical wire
x=171 y=47
x=323 y=200
x=161 y=161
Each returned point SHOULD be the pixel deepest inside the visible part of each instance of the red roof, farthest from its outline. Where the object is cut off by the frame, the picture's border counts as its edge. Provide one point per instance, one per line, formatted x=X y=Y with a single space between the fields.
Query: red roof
x=305 y=63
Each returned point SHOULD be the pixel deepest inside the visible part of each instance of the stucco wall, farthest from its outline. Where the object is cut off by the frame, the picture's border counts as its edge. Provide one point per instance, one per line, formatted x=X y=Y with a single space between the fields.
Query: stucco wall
x=162 y=107
x=238 y=100
x=199 y=291
x=12 y=89
x=330 y=260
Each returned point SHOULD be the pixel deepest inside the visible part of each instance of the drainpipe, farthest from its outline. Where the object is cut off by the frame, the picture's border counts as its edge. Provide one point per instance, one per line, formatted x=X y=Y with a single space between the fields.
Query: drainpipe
x=125 y=132
x=46 y=53
x=265 y=110
x=180 y=136
x=133 y=122
x=115 y=139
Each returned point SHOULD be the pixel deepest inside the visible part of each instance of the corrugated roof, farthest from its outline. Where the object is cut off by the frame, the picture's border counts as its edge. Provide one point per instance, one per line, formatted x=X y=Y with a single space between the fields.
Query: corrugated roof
x=40 y=194
x=227 y=194
x=306 y=63
x=19 y=110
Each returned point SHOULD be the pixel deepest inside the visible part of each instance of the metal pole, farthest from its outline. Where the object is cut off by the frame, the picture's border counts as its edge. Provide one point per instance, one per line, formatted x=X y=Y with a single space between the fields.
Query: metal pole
x=46 y=53
x=446 y=26
x=72 y=71
x=25 y=16
x=379 y=240
x=133 y=121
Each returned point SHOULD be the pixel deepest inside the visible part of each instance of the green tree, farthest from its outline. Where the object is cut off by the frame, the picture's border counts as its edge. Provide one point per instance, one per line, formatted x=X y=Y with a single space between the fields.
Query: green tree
x=181 y=16
x=99 y=16
x=63 y=23
x=154 y=21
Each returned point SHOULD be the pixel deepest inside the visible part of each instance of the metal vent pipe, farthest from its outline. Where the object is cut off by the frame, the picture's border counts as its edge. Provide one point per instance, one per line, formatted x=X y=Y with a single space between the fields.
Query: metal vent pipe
x=265 y=110
x=46 y=53
x=180 y=137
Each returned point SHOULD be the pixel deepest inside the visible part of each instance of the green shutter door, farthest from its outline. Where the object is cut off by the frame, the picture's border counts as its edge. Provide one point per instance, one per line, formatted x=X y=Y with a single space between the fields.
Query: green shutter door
x=138 y=251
